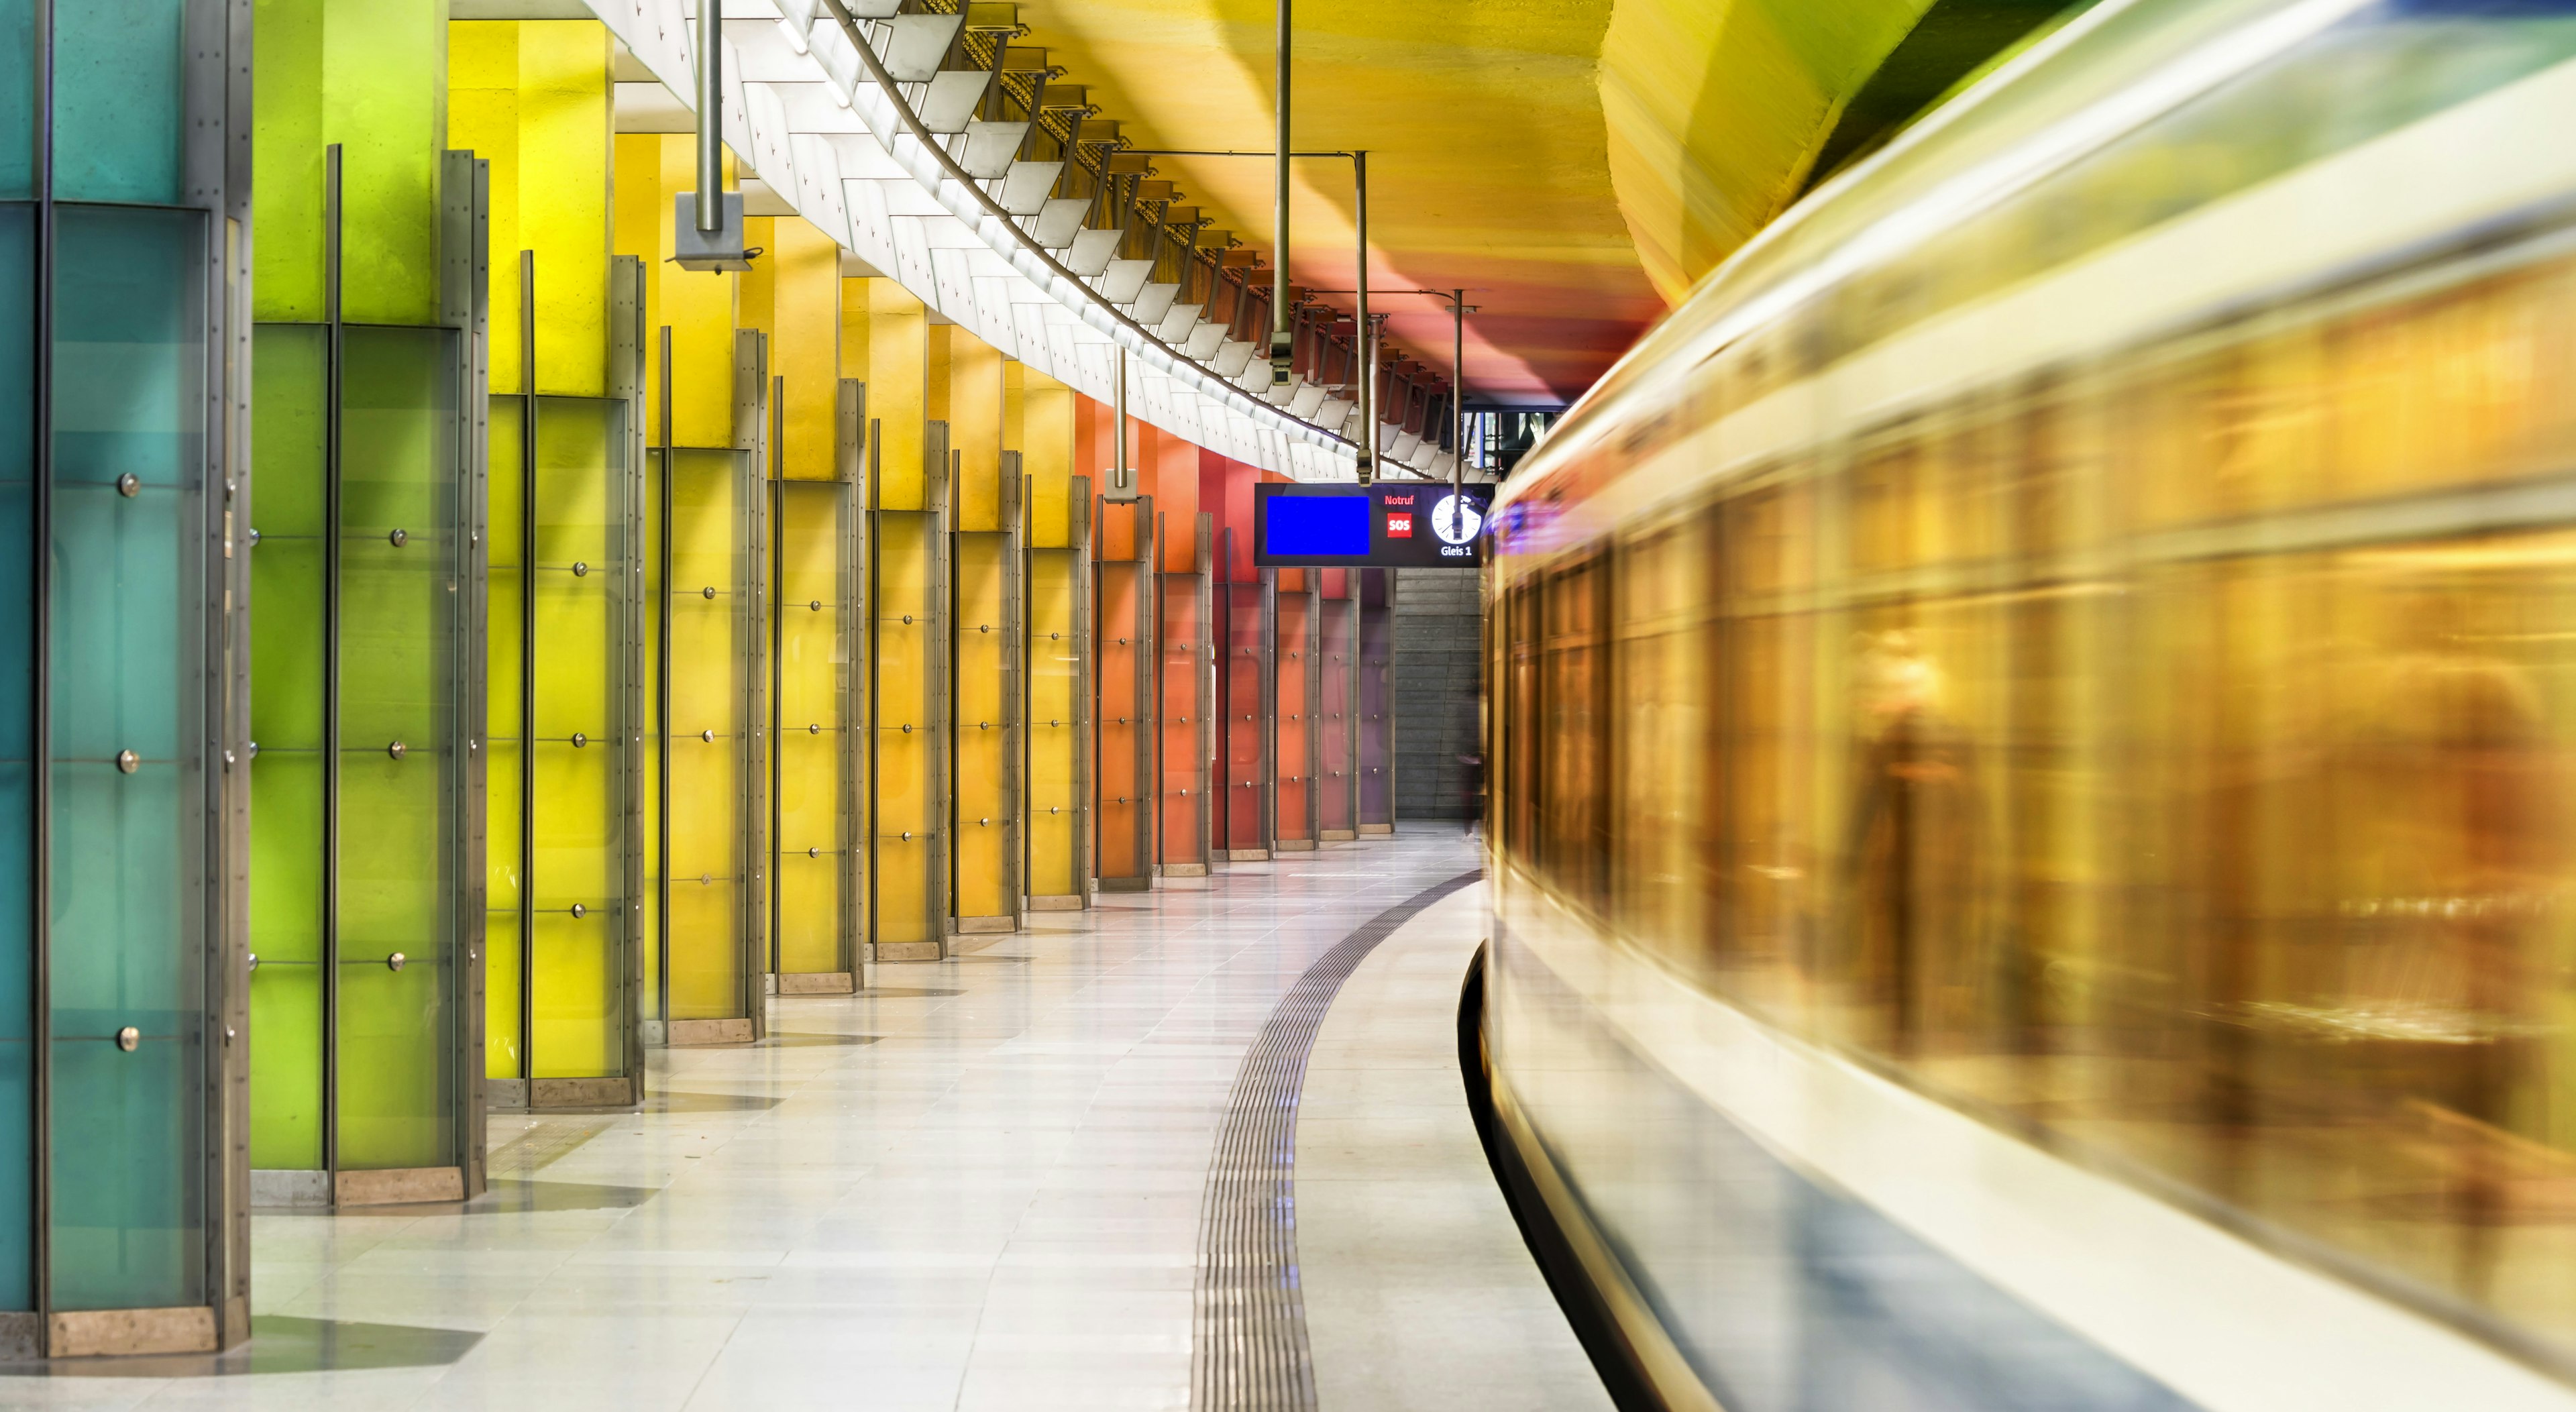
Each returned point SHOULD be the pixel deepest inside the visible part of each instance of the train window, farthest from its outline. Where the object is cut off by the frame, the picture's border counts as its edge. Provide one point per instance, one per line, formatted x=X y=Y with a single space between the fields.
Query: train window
x=1574 y=680
x=1658 y=701
x=1522 y=740
x=1764 y=854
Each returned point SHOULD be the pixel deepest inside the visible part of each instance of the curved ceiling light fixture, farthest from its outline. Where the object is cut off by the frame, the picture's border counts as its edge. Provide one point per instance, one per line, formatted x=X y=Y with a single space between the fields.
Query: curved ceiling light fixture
x=820 y=117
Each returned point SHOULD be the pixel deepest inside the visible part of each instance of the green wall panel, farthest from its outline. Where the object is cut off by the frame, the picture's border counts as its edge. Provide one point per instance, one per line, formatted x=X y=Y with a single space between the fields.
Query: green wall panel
x=370 y=75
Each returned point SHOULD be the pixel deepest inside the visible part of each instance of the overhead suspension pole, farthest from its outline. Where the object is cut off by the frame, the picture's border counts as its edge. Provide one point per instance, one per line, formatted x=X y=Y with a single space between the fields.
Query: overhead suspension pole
x=1122 y=477
x=1458 y=389
x=711 y=115
x=1283 y=344
x=1366 y=348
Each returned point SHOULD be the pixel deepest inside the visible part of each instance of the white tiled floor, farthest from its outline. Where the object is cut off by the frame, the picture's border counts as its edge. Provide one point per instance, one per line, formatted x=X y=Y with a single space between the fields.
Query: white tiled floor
x=1420 y=1295
x=977 y=1187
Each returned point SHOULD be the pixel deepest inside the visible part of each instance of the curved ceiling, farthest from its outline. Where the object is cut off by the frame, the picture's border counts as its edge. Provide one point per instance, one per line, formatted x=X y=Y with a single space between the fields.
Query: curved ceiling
x=1576 y=165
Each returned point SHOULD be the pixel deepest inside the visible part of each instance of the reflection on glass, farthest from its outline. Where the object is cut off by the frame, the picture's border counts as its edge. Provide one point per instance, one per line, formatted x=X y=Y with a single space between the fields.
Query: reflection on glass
x=398 y=779
x=18 y=862
x=126 y=842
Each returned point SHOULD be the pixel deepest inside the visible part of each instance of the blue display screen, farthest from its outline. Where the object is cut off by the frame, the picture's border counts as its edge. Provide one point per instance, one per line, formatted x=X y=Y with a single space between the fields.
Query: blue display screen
x=1316 y=526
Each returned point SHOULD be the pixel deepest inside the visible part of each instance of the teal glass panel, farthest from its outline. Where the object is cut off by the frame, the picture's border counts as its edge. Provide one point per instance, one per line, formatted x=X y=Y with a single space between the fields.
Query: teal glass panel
x=17 y=102
x=398 y=768
x=127 y=846
x=289 y=383
x=17 y=750
x=120 y=99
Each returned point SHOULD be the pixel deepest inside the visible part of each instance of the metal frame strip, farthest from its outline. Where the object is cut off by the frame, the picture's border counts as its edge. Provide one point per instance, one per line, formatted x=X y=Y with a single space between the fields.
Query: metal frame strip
x=662 y=691
x=333 y=363
x=465 y=259
x=528 y=673
x=850 y=461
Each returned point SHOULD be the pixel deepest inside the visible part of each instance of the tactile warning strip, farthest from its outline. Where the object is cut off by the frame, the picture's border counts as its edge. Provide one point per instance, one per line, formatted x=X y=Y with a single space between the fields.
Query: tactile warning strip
x=1248 y=1337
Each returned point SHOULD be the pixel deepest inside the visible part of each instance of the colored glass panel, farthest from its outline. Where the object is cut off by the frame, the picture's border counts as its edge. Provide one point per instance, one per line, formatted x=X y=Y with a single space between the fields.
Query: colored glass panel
x=505 y=596
x=17 y=751
x=1337 y=643
x=911 y=903
x=984 y=873
x=576 y=895
x=289 y=430
x=1121 y=847
x=398 y=775
x=120 y=97
x=1054 y=723
x=127 y=851
x=1240 y=680
x=813 y=670
x=1292 y=764
x=710 y=648
x=1377 y=698
x=1184 y=689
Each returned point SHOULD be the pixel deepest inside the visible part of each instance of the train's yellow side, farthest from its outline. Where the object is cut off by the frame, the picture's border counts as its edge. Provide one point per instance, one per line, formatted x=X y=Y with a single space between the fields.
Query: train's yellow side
x=2035 y=748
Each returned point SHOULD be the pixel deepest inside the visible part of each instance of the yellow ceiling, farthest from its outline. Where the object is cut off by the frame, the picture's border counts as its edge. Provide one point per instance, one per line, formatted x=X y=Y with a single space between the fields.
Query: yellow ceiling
x=1574 y=164
x=1488 y=162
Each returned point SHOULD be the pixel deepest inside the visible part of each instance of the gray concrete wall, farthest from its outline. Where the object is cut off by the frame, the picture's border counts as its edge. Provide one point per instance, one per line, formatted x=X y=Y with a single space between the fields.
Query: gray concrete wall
x=1438 y=649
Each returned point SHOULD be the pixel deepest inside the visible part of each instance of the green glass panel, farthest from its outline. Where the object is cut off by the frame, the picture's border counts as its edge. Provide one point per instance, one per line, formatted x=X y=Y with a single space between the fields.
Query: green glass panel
x=578 y=966
x=17 y=108
x=398 y=525
x=288 y=428
x=127 y=849
x=17 y=748
x=120 y=98
x=286 y=936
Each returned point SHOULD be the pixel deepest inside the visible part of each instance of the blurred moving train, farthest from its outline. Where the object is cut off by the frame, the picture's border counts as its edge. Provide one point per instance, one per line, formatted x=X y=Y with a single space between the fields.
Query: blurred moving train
x=2034 y=738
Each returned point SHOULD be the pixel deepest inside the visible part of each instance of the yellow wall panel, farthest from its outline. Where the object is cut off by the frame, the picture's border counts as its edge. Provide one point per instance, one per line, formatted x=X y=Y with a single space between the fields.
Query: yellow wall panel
x=698 y=307
x=532 y=97
x=975 y=430
x=1046 y=457
x=804 y=327
x=898 y=367
x=854 y=328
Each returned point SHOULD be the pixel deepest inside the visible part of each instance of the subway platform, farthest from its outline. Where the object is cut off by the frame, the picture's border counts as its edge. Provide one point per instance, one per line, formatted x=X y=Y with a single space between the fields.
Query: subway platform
x=1041 y=1174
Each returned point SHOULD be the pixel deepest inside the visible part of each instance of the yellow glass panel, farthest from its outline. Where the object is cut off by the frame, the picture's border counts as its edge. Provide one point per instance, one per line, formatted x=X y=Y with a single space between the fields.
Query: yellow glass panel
x=812 y=684
x=984 y=874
